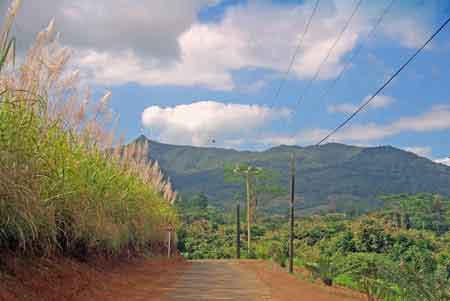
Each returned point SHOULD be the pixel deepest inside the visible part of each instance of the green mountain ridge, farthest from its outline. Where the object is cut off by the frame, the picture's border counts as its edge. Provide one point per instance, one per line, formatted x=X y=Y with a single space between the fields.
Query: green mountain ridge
x=331 y=176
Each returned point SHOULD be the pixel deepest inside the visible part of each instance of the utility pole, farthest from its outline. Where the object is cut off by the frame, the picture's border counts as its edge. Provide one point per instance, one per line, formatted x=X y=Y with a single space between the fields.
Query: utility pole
x=238 y=233
x=248 y=172
x=249 y=213
x=291 y=214
x=169 y=242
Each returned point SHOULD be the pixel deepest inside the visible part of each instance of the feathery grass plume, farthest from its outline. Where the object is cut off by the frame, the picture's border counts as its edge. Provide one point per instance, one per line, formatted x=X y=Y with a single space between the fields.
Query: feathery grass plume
x=62 y=188
x=9 y=19
x=5 y=41
x=136 y=157
x=7 y=44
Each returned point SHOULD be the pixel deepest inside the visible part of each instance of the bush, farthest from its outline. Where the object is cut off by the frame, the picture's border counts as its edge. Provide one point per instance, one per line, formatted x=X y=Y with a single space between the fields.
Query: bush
x=417 y=285
x=373 y=274
x=370 y=236
x=326 y=268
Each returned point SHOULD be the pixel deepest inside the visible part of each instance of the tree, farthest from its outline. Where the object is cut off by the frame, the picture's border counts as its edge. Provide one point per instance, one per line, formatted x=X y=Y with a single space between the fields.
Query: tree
x=370 y=236
x=200 y=201
x=423 y=211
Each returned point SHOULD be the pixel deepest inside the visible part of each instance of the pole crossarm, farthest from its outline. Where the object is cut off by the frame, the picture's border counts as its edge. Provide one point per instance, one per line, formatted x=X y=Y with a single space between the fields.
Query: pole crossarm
x=247 y=170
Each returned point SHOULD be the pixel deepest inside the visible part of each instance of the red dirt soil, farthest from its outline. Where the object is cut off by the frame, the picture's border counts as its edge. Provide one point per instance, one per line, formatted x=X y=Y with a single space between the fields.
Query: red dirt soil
x=287 y=287
x=67 y=279
x=139 y=279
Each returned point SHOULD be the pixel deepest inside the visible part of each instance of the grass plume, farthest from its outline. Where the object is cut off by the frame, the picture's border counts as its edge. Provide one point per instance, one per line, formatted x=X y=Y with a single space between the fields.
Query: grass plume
x=62 y=189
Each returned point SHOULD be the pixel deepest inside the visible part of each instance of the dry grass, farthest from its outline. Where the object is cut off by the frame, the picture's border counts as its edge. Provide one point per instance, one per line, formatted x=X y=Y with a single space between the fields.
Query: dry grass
x=62 y=189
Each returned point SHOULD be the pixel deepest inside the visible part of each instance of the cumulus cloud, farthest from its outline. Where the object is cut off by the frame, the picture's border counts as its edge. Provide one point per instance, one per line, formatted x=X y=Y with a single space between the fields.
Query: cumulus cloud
x=148 y=28
x=249 y=36
x=201 y=122
x=437 y=119
x=162 y=42
x=380 y=101
x=110 y=69
x=238 y=126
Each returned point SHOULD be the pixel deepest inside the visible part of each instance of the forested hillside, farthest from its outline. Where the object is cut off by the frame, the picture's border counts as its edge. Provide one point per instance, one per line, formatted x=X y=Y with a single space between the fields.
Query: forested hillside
x=330 y=176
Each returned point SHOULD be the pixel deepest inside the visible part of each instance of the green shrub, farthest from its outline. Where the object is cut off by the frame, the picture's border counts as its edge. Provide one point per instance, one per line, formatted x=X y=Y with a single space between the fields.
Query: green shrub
x=418 y=285
x=326 y=268
x=373 y=274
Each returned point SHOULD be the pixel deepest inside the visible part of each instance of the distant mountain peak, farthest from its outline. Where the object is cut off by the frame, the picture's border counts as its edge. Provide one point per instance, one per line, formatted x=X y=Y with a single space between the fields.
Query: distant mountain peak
x=141 y=138
x=284 y=147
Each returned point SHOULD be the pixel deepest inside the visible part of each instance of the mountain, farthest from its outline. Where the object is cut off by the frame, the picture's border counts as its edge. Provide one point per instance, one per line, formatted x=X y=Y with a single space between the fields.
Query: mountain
x=331 y=176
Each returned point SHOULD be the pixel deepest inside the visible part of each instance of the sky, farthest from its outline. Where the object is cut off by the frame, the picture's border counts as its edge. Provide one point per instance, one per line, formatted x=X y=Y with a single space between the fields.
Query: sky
x=206 y=72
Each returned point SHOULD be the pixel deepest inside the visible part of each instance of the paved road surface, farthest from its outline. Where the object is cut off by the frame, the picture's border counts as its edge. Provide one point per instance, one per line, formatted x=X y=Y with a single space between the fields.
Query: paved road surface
x=217 y=280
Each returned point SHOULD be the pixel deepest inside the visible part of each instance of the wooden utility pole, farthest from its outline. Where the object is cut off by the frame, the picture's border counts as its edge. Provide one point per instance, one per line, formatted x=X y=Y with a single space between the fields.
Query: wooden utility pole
x=248 y=172
x=169 y=242
x=238 y=233
x=249 y=212
x=291 y=214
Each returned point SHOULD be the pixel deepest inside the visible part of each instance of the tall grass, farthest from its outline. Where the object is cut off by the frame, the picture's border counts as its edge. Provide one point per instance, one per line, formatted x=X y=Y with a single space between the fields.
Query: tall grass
x=62 y=188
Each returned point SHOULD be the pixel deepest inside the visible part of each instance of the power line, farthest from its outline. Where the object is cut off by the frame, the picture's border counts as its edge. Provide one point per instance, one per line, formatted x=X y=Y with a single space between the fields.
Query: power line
x=357 y=51
x=297 y=49
x=322 y=63
x=294 y=56
x=360 y=108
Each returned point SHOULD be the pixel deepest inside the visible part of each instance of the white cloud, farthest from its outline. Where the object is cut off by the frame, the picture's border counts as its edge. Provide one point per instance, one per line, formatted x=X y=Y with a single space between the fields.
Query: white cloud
x=423 y=151
x=247 y=37
x=110 y=69
x=445 y=161
x=346 y=108
x=237 y=126
x=161 y=42
x=405 y=31
x=201 y=122
x=148 y=28
x=380 y=101
x=437 y=119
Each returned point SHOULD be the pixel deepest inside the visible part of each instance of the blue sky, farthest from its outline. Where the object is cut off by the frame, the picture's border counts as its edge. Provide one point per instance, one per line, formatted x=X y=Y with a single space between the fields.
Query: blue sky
x=205 y=72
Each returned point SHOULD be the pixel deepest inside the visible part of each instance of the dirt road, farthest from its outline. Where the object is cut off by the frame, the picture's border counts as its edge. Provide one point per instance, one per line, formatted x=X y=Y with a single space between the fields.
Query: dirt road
x=217 y=280
x=247 y=281
x=163 y=280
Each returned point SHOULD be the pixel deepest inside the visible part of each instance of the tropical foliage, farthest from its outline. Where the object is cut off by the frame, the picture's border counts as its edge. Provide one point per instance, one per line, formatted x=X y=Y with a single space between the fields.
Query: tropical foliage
x=374 y=253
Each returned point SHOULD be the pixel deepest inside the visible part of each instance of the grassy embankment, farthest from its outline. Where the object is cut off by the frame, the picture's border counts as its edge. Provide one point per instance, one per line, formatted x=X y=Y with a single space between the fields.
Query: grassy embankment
x=61 y=190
